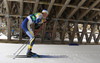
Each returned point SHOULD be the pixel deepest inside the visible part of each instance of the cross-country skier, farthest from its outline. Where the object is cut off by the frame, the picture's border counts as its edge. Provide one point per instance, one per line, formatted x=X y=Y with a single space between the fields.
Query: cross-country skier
x=37 y=18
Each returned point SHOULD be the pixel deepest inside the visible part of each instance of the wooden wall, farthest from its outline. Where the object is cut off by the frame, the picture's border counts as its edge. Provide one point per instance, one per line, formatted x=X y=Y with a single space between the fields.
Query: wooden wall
x=71 y=18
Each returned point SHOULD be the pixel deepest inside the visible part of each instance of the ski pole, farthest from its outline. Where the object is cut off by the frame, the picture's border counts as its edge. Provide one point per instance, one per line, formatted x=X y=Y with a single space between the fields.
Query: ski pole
x=21 y=47
x=20 y=51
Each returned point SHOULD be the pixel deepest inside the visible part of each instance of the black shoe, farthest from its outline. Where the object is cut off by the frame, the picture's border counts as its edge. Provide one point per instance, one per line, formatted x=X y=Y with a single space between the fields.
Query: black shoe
x=31 y=54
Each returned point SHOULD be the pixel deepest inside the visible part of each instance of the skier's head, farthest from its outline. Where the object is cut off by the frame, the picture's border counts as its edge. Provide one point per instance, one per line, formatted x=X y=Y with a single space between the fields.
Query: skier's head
x=45 y=13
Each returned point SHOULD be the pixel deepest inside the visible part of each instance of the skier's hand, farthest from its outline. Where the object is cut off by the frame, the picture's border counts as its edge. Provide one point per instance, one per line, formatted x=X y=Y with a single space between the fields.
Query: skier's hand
x=48 y=19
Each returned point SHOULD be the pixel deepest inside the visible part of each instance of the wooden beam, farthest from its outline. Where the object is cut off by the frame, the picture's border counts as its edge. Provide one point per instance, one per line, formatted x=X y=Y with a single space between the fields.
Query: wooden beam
x=69 y=34
x=10 y=6
x=71 y=20
x=50 y=5
x=83 y=32
x=86 y=35
x=80 y=21
x=79 y=5
x=7 y=7
x=8 y=20
x=57 y=4
x=43 y=33
x=64 y=31
x=92 y=32
x=75 y=2
x=74 y=31
x=21 y=19
x=78 y=35
x=94 y=37
x=20 y=29
x=63 y=8
x=13 y=0
x=87 y=3
x=98 y=38
x=35 y=6
x=21 y=7
x=91 y=7
x=54 y=30
x=29 y=1
x=93 y=15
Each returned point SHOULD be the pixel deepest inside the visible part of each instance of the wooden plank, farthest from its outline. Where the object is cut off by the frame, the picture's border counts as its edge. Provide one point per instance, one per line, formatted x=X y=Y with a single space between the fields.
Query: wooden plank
x=54 y=30
x=70 y=34
x=9 y=29
x=20 y=29
x=74 y=31
x=57 y=4
x=92 y=32
x=43 y=33
x=29 y=1
x=79 y=5
x=86 y=35
x=75 y=2
x=91 y=7
x=64 y=31
x=83 y=32
x=94 y=37
x=35 y=6
x=93 y=15
x=21 y=7
x=63 y=8
x=88 y=2
x=21 y=19
x=8 y=20
x=80 y=21
x=13 y=0
x=50 y=5
x=98 y=38
x=7 y=7
x=82 y=7
x=78 y=35
x=61 y=19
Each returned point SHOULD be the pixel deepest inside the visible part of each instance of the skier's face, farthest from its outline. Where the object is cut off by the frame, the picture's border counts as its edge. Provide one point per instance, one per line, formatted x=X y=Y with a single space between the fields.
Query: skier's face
x=45 y=15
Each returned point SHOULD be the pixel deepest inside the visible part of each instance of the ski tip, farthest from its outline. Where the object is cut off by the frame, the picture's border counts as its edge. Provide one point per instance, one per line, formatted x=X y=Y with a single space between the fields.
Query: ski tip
x=73 y=44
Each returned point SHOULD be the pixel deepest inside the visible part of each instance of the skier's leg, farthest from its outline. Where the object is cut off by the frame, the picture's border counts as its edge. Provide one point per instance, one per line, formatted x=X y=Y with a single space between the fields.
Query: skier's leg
x=31 y=42
x=26 y=27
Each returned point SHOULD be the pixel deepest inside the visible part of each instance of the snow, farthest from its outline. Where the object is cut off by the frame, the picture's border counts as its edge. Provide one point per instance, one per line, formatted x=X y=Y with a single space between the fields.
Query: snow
x=54 y=53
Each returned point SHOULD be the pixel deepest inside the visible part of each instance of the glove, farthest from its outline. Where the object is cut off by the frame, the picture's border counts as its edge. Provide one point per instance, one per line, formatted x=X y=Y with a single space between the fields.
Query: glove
x=48 y=19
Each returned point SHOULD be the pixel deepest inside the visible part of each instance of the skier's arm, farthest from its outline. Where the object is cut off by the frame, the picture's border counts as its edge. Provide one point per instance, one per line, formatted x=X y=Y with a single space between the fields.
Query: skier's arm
x=47 y=20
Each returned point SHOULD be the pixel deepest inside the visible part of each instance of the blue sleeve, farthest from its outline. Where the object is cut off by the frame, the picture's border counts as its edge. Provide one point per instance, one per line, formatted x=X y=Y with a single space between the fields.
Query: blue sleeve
x=38 y=21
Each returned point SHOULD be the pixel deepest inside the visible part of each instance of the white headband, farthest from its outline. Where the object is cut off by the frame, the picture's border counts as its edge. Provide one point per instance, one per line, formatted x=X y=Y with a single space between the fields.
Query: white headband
x=44 y=11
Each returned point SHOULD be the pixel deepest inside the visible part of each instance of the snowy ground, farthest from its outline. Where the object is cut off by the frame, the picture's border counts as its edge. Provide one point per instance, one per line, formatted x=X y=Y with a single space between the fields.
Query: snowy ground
x=53 y=53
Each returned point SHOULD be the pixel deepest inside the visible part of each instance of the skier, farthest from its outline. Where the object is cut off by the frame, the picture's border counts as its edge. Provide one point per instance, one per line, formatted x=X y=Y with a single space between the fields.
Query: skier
x=37 y=18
